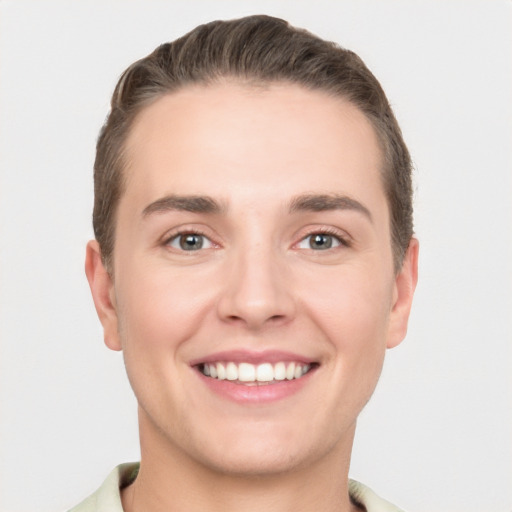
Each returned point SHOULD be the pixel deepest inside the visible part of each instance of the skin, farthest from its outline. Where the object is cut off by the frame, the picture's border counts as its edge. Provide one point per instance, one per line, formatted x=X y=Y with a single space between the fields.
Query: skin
x=257 y=284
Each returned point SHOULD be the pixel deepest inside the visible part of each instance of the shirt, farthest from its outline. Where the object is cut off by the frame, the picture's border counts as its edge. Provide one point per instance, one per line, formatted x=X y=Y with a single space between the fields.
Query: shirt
x=108 y=497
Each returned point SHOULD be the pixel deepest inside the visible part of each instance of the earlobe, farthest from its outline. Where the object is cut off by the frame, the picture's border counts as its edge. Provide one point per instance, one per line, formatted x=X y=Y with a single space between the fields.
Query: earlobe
x=102 y=289
x=405 y=284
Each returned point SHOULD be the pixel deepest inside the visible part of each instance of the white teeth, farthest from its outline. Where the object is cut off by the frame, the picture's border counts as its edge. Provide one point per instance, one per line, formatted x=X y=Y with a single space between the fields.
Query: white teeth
x=231 y=371
x=280 y=371
x=221 y=371
x=246 y=372
x=250 y=373
x=290 y=371
x=264 y=372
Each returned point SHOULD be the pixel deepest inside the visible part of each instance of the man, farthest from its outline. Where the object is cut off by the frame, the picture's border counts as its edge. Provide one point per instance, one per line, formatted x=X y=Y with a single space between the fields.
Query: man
x=254 y=258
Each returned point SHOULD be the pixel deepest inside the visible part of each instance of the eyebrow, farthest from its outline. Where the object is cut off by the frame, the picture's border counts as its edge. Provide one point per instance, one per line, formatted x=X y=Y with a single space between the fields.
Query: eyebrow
x=194 y=204
x=306 y=202
x=326 y=202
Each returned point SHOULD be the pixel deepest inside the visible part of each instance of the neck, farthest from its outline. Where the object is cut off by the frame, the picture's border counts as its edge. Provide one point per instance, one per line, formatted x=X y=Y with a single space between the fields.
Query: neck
x=170 y=480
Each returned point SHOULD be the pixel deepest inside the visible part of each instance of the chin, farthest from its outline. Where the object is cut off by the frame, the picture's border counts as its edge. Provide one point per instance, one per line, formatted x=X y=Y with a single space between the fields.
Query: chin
x=261 y=452
x=255 y=462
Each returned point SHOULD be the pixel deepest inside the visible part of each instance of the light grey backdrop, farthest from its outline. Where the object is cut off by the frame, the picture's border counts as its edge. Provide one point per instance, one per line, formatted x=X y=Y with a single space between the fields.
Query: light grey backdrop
x=437 y=435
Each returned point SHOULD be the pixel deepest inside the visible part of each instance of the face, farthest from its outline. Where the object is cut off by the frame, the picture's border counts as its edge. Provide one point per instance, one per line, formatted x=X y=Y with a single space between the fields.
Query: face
x=253 y=290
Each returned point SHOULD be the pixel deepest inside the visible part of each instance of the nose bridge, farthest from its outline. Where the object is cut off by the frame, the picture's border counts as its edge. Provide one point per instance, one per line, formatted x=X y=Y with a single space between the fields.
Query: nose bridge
x=256 y=291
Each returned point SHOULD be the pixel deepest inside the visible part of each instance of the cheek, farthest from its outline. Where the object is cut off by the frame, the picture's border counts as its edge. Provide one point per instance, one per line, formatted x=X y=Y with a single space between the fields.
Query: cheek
x=161 y=307
x=351 y=304
x=158 y=313
x=353 y=312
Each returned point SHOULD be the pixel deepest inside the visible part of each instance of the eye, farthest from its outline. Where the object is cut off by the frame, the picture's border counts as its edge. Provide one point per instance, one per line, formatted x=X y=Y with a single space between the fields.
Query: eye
x=320 y=242
x=190 y=242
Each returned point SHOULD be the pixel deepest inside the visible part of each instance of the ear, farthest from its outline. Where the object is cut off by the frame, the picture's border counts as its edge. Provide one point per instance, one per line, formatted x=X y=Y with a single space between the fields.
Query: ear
x=404 y=286
x=102 y=289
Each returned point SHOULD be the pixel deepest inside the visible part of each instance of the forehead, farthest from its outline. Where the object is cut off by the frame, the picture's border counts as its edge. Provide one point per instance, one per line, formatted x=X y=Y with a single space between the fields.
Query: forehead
x=279 y=137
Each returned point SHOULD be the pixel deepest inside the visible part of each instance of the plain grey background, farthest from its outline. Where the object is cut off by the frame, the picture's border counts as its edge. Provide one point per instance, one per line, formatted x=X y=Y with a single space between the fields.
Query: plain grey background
x=437 y=436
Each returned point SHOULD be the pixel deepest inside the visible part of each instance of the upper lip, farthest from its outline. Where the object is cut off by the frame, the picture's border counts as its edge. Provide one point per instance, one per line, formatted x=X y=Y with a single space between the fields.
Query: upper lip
x=254 y=357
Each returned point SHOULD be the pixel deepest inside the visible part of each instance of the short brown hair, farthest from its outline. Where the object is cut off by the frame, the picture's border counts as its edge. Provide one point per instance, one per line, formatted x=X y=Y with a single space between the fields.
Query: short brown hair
x=255 y=49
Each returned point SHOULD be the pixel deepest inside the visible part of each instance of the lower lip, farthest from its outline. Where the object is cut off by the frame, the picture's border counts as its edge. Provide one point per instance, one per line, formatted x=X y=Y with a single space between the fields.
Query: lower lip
x=256 y=393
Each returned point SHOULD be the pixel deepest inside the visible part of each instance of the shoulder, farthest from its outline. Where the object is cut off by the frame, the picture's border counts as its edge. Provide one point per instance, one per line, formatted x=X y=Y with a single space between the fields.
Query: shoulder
x=364 y=496
x=108 y=497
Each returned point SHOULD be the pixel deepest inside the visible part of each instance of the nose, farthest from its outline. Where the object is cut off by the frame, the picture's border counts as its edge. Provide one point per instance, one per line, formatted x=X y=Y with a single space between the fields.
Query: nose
x=258 y=290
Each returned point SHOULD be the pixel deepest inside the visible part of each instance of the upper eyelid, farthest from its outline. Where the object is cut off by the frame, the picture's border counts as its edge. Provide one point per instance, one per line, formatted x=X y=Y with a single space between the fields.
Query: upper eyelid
x=185 y=230
x=341 y=234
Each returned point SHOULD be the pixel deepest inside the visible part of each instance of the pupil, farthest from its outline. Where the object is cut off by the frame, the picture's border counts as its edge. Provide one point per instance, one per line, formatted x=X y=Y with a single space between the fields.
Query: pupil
x=191 y=242
x=321 y=242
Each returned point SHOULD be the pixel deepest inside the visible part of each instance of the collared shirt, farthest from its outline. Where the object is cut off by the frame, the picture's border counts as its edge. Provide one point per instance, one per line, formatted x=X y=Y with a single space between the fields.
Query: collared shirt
x=108 y=497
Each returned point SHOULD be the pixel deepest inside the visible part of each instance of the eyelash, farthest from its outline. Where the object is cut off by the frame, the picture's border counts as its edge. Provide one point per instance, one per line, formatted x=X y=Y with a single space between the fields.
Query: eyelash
x=186 y=232
x=331 y=232
x=341 y=240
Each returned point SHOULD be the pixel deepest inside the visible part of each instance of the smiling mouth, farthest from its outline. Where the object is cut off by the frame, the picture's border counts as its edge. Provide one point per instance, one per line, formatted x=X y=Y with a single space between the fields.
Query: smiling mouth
x=256 y=374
